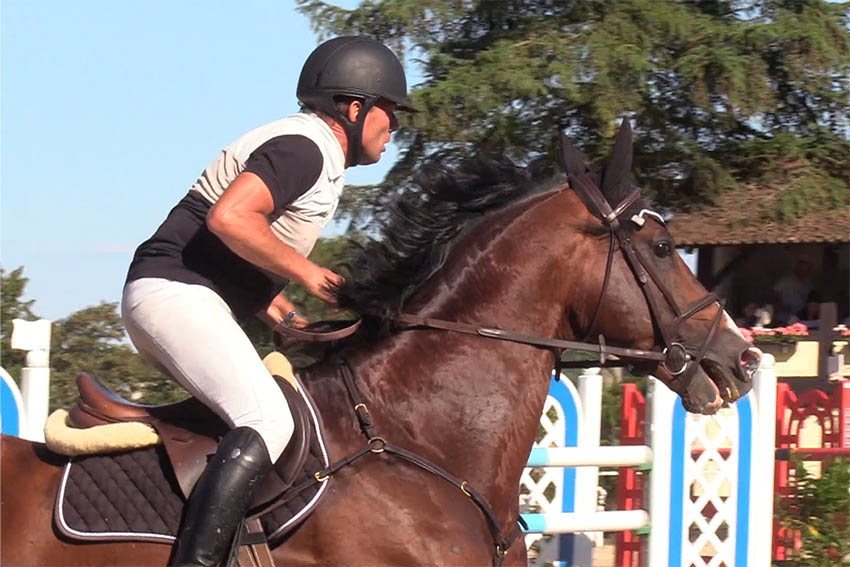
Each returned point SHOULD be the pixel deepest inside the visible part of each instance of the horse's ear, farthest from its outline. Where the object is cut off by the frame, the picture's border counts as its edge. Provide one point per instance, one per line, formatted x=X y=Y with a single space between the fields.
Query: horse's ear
x=617 y=176
x=570 y=157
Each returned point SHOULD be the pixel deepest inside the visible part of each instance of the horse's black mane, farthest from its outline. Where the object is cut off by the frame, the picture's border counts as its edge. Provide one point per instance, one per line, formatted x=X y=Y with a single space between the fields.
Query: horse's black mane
x=423 y=221
x=383 y=274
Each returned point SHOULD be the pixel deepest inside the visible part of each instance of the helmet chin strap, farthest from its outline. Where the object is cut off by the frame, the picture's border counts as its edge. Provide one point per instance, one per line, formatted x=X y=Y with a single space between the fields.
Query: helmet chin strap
x=354 y=130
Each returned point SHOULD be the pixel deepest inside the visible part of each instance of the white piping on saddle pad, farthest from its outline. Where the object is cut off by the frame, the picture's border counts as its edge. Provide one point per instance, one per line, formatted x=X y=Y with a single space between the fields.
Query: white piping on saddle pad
x=326 y=462
x=60 y=504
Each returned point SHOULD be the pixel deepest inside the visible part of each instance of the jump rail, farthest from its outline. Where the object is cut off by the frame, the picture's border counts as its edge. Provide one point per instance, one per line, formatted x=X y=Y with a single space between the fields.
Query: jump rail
x=624 y=456
x=573 y=517
x=593 y=521
x=619 y=456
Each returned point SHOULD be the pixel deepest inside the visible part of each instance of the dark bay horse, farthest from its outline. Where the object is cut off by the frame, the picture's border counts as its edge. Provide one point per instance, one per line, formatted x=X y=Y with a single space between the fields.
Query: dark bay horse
x=481 y=245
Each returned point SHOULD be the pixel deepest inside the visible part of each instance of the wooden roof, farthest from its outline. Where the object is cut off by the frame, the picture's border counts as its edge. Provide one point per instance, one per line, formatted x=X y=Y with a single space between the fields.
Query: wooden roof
x=741 y=218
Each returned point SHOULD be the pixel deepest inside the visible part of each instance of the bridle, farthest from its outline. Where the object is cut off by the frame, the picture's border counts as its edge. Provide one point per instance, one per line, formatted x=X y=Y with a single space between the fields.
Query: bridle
x=677 y=357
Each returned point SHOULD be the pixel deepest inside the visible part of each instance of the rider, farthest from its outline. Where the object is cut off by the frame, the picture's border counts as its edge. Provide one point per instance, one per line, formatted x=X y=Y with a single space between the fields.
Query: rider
x=228 y=248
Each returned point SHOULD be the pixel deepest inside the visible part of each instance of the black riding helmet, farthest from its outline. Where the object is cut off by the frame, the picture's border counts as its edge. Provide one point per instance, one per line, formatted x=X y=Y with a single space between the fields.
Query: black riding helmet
x=352 y=66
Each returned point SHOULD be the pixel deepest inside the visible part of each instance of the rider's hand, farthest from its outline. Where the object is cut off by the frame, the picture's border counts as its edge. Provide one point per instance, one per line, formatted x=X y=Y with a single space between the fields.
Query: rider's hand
x=323 y=283
x=297 y=320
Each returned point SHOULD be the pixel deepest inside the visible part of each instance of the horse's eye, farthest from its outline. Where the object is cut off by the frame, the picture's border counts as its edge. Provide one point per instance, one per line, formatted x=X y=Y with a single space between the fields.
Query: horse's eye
x=662 y=249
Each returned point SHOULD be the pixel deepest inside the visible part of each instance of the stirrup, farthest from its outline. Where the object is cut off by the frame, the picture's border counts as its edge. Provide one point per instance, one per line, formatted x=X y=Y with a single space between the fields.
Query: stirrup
x=250 y=547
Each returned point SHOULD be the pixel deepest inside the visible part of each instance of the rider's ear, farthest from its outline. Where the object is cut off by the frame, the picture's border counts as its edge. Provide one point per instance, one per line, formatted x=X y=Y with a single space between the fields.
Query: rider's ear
x=354 y=109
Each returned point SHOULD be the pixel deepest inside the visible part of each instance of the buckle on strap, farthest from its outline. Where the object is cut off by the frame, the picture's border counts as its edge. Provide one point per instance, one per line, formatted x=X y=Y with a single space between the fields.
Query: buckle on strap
x=504 y=544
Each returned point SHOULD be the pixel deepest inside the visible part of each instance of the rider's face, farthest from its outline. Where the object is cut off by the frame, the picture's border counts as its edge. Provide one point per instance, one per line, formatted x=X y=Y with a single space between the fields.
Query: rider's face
x=379 y=123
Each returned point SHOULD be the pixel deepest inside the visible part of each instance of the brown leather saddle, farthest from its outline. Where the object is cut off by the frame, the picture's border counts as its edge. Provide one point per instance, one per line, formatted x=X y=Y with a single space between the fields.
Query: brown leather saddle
x=190 y=432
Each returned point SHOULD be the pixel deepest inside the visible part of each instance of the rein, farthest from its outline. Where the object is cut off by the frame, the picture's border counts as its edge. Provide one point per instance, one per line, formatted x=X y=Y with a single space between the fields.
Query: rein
x=677 y=358
x=557 y=346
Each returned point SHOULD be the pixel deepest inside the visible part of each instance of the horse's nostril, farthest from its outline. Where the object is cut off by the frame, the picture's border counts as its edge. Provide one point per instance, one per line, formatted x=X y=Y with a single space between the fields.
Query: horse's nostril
x=750 y=360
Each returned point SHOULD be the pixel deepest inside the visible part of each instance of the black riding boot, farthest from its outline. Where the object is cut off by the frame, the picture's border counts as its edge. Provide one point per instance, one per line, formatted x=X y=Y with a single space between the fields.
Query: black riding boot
x=221 y=498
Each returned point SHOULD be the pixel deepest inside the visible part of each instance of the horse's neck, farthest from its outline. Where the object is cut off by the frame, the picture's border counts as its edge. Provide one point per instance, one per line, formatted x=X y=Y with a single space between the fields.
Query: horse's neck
x=469 y=403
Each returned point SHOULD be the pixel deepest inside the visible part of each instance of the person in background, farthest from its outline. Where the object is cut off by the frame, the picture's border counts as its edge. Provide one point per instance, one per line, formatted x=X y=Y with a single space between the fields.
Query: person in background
x=791 y=292
x=810 y=314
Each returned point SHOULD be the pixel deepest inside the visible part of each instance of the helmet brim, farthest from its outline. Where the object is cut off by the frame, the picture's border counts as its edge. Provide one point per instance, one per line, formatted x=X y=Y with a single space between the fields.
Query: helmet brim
x=403 y=104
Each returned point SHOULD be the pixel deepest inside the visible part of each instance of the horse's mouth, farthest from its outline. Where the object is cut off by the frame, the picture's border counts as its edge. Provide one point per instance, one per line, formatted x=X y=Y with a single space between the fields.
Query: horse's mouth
x=726 y=388
x=732 y=383
x=717 y=382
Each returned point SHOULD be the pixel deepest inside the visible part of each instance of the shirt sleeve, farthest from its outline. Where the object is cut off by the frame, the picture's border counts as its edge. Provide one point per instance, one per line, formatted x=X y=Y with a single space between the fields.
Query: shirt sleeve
x=289 y=166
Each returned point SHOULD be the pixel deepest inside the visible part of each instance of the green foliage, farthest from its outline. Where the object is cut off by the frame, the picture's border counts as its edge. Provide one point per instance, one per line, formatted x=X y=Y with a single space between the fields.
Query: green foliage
x=12 y=306
x=820 y=513
x=807 y=172
x=710 y=86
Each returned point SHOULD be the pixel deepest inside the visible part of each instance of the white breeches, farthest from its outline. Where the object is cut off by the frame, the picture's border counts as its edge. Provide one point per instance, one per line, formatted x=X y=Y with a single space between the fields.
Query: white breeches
x=189 y=332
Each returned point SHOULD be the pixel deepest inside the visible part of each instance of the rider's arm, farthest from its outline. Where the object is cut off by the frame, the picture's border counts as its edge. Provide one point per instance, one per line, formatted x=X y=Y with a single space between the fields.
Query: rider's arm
x=240 y=218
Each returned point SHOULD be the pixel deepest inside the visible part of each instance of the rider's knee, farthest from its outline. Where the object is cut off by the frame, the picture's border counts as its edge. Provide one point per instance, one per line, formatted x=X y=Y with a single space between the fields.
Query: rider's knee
x=276 y=431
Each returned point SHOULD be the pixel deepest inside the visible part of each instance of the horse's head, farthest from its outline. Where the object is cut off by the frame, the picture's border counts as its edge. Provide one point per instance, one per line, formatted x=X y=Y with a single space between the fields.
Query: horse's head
x=649 y=297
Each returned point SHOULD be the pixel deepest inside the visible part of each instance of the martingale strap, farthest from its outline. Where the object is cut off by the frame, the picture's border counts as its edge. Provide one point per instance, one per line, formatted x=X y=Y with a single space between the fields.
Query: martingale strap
x=375 y=444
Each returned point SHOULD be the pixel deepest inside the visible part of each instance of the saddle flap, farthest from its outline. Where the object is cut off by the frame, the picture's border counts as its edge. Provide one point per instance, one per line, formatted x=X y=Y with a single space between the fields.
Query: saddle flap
x=292 y=459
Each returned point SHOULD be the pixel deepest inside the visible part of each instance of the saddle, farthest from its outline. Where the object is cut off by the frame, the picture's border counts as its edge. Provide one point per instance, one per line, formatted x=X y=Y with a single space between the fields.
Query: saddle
x=190 y=432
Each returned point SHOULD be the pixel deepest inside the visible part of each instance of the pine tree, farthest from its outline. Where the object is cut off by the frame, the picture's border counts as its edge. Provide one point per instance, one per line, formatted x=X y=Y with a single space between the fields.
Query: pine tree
x=722 y=93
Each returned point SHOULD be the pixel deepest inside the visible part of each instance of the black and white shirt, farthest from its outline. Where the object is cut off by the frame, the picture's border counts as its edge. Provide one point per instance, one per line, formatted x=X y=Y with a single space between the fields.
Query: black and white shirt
x=301 y=162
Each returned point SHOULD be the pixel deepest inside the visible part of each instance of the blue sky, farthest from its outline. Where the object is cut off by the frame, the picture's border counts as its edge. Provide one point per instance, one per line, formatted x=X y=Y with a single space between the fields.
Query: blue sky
x=111 y=109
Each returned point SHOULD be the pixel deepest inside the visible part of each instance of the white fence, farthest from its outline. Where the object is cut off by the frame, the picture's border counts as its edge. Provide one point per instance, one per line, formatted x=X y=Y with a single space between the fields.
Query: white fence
x=710 y=491
x=23 y=412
